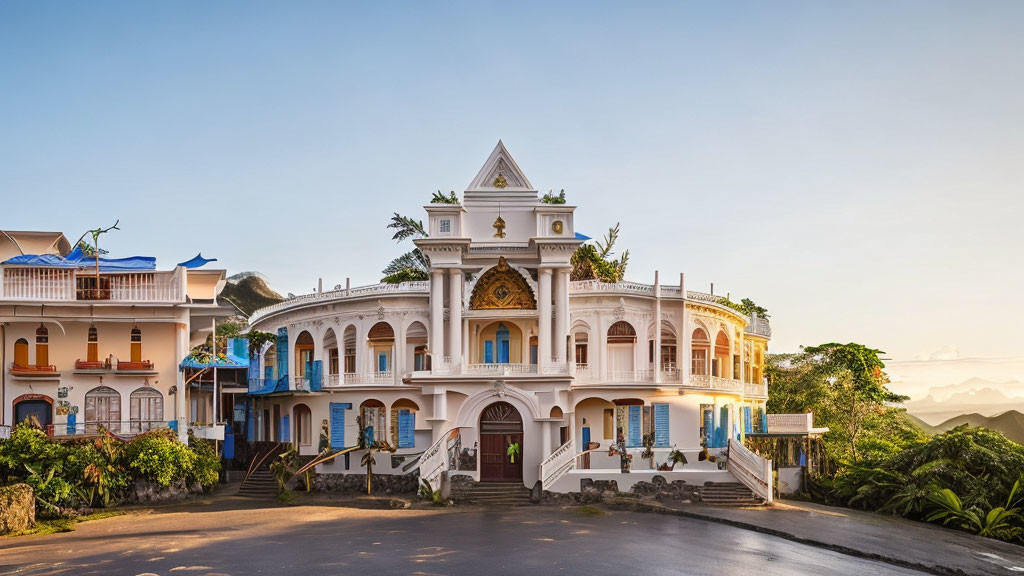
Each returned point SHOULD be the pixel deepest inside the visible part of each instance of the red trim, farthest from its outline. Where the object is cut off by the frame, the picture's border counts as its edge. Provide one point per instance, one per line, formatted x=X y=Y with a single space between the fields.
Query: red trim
x=25 y=397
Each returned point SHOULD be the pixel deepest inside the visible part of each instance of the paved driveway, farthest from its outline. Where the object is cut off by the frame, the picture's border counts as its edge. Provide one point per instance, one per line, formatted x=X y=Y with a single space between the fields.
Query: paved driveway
x=236 y=537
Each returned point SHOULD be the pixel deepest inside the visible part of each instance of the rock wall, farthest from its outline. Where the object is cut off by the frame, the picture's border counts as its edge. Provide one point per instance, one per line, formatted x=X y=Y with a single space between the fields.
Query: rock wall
x=146 y=491
x=356 y=483
x=17 y=508
x=595 y=491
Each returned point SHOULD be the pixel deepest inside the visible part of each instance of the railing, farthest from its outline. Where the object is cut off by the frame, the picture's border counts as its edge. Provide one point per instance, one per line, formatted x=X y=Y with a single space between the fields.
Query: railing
x=759 y=326
x=631 y=375
x=790 y=423
x=5 y=432
x=755 y=389
x=752 y=470
x=300 y=383
x=92 y=365
x=715 y=383
x=411 y=287
x=558 y=464
x=371 y=379
x=32 y=370
x=122 y=428
x=499 y=368
x=64 y=285
x=599 y=286
x=584 y=373
x=671 y=375
x=434 y=461
x=143 y=366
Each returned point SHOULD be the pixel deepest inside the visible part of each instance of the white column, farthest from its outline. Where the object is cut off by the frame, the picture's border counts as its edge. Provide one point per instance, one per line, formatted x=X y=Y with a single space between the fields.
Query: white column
x=180 y=345
x=465 y=346
x=455 y=314
x=398 y=356
x=561 y=314
x=545 y=439
x=686 y=352
x=544 y=318
x=436 y=340
x=657 y=328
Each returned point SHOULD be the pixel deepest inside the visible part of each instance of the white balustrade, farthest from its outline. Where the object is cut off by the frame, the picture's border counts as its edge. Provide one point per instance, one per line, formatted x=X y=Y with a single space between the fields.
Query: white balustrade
x=422 y=287
x=558 y=464
x=631 y=375
x=61 y=285
x=501 y=369
x=752 y=470
x=790 y=423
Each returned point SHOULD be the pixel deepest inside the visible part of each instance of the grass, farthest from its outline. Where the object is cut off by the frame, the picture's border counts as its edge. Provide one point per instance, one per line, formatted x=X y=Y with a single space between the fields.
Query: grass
x=589 y=511
x=57 y=525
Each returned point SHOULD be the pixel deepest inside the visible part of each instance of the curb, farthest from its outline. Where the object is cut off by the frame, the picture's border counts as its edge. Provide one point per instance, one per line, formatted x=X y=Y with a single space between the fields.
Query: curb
x=661 y=509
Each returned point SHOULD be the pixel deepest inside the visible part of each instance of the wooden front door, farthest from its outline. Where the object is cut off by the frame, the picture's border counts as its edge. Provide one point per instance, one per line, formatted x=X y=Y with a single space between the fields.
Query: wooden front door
x=501 y=426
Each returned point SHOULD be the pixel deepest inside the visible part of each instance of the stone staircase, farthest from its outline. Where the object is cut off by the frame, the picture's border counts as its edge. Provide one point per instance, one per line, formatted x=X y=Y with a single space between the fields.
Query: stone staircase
x=260 y=484
x=493 y=494
x=728 y=494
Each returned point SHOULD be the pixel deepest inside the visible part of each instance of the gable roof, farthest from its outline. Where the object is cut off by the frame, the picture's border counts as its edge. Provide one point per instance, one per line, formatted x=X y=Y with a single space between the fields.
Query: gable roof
x=500 y=173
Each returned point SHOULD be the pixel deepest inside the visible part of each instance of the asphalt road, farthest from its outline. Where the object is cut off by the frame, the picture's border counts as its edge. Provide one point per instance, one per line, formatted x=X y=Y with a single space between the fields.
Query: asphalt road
x=238 y=538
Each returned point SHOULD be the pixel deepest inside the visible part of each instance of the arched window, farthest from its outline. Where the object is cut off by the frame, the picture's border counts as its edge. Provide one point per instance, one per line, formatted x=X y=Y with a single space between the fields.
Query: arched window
x=350 y=350
x=102 y=408
x=621 y=332
x=721 y=359
x=403 y=423
x=21 y=352
x=136 y=345
x=303 y=425
x=92 y=352
x=303 y=354
x=700 y=350
x=416 y=336
x=147 y=409
x=42 y=346
x=373 y=421
x=621 y=341
x=382 y=339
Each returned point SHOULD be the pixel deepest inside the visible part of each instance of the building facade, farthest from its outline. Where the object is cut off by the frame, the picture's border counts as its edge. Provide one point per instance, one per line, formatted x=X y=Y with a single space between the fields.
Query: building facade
x=500 y=367
x=86 y=344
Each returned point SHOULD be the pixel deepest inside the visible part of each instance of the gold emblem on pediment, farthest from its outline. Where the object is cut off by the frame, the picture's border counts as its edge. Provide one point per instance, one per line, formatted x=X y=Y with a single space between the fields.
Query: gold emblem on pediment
x=502 y=288
x=500 y=182
x=499 y=227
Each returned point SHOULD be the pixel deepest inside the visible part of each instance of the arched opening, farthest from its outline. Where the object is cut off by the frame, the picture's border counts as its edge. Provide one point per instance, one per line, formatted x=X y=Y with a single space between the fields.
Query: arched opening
x=665 y=356
x=303 y=425
x=333 y=356
x=502 y=288
x=349 y=344
x=382 y=342
x=621 y=350
x=147 y=409
x=700 y=351
x=270 y=362
x=373 y=422
x=403 y=423
x=21 y=353
x=35 y=409
x=136 y=345
x=500 y=343
x=582 y=340
x=42 y=346
x=501 y=443
x=303 y=354
x=416 y=338
x=102 y=408
x=720 y=364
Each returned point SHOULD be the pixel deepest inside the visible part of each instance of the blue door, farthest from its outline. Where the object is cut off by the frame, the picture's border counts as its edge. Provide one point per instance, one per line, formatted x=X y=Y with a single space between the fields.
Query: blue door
x=503 y=344
x=382 y=362
x=586 y=437
x=488 y=352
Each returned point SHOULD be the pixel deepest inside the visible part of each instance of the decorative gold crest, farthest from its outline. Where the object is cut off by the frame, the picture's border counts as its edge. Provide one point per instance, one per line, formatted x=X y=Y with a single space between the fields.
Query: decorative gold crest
x=500 y=181
x=556 y=227
x=502 y=288
x=499 y=225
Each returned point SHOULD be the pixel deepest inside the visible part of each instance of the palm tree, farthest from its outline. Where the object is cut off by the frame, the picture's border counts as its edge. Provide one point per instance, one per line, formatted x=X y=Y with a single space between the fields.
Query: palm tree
x=594 y=261
x=413 y=265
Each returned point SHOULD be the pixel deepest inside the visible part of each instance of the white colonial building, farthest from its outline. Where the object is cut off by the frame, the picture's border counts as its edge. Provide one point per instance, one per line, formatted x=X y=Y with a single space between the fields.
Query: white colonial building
x=502 y=368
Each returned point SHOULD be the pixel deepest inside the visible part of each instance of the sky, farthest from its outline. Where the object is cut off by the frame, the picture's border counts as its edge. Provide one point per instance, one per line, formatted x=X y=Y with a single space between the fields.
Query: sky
x=853 y=167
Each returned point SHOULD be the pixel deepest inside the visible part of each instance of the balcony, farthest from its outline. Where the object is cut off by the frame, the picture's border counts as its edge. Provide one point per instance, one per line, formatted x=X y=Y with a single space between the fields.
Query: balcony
x=417 y=287
x=352 y=379
x=500 y=369
x=64 y=285
x=261 y=386
x=31 y=371
x=759 y=326
x=91 y=367
x=133 y=368
x=793 y=424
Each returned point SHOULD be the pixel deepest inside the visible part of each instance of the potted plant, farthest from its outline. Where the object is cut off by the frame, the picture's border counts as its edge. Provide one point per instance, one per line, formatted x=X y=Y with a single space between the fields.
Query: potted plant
x=676 y=456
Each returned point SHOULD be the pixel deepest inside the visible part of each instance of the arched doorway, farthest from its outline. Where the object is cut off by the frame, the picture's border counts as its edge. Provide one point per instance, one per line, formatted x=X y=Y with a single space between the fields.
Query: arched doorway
x=501 y=426
x=303 y=426
x=34 y=405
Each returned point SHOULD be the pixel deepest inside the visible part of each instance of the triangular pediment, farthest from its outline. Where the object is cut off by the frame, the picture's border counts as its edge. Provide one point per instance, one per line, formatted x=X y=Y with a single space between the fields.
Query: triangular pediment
x=500 y=173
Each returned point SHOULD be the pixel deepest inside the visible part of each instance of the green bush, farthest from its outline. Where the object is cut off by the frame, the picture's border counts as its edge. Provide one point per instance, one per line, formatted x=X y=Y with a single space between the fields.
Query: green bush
x=100 y=471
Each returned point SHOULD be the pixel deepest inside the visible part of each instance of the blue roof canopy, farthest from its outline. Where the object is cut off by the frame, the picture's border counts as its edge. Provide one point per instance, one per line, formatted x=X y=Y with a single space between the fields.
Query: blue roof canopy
x=197 y=262
x=237 y=357
x=582 y=237
x=78 y=260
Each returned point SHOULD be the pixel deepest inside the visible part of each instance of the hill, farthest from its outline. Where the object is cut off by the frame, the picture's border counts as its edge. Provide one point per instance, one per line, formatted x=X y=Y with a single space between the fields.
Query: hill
x=1010 y=423
x=249 y=292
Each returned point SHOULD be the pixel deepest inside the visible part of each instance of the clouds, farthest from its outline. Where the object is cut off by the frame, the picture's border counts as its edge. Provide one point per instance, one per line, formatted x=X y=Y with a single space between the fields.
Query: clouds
x=947 y=352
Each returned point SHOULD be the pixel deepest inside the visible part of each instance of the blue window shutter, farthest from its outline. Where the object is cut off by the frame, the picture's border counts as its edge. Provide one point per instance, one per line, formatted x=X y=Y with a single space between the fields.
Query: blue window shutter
x=406 y=428
x=748 y=422
x=337 y=426
x=488 y=352
x=586 y=437
x=709 y=427
x=286 y=435
x=382 y=362
x=764 y=421
x=316 y=375
x=661 y=425
x=282 y=352
x=635 y=416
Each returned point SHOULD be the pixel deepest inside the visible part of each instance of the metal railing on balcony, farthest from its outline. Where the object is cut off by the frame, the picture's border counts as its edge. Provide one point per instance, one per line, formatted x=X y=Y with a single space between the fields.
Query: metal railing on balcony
x=62 y=285
x=502 y=369
x=760 y=327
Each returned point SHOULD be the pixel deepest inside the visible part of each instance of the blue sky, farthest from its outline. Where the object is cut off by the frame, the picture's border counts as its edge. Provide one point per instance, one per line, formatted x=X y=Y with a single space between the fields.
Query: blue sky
x=854 y=167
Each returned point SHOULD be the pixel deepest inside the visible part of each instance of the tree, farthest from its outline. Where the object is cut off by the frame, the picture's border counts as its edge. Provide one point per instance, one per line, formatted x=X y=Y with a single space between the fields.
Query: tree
x=440 y=198
x=594 y=261
x=413 y=265
x=551 y=198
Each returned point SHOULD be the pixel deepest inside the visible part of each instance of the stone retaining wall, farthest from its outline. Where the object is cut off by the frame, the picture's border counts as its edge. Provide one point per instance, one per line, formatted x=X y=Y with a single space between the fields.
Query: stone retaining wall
x=356 y=483
x=595 y=491
x=146 y=491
